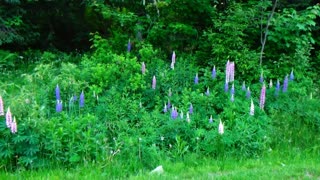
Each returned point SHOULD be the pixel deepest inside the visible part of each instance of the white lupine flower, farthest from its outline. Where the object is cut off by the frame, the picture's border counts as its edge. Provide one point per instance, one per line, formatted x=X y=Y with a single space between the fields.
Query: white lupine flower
x=220 y=129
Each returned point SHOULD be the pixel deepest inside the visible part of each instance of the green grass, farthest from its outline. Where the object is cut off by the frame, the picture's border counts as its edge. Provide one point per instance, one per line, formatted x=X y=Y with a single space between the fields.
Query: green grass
x=271 y=166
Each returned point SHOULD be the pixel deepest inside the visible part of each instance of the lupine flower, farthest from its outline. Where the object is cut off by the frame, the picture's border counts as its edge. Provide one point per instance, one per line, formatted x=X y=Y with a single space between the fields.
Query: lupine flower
x=191 y=109
x=291 y=75
x=8 y=118
x=248 y=93
x=165 y=109
x=261 y=77
x=13 y=126
x=270 y=83
x=208 y=92
x=154 y=82
x=174 y=113
x=243 y=86
x=1 y=107
x=59 y=106
x=210 y=119
x=213 y=73
x=196 y=79
x=172 y=65
x=252 y=108
x=226 y=87
x=263 y=96
x=228 y=71
x=181 y=114
x=221 y=128
x=277 y=87
x=188 y=117
x=231 y=71
x=173 y=58
x=58 y=93
x=232 y=89
x=169 y=104
x=81 y=101
x=129 y=46
x=285 y=84
x=170 y=92
x=143 y=68
x=232 y=98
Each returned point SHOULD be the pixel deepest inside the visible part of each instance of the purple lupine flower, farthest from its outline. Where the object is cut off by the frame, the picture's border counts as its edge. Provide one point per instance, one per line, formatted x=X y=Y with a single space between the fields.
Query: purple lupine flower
x=154 y=82
x=213 y=73
x=226 y=87
x=248 y=93
x=8 y=118
x=13 y=126
x=81 y=100
x=285 y=84
x=261 y=77
x=251 y=108
x=208 y=92
x=191 y=109
x=169 y=104
x=174 y=113
x=143 y=68
x=210 y=119
x=196 y=79
x=59 y=106
x=232 y=89
x=165 y=109
x=1 y=107
x=129 y=46
x=277 y=87
x=243 y=86
x=58 y=93
x=263 y=96
x=173 y=58
x=291 y=75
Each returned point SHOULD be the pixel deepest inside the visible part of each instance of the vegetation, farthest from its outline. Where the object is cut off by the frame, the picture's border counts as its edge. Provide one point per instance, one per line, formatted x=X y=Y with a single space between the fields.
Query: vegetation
x=124 y=86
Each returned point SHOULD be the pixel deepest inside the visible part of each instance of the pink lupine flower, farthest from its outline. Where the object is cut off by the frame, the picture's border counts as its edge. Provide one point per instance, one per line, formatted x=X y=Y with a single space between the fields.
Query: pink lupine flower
x=8 y=118
x=252 y=108
x=1 y=107
x=13 y=126
x=173 y=59
x=263 y=96
x=154 y=82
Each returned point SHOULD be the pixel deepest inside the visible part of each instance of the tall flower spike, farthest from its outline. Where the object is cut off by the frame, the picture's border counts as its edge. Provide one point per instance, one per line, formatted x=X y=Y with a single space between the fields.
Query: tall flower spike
x=129 y=46
x=252 y=108
x=248 y=93
x=13 y=126
x=277 y=88
x=173 y=58
x=231 y=71
x=143 y=68
x=226 y=87
x=270 y=84
x=59 y=106
x=208 y=92
x=196 y=79
x=188 y=117
x=8 y=118
x=154 y=82
x=232 y=89
x=263 y=96
x=58 y=93
x=243 y=86
x=213 y=73
x=221 y=128
x=228 y=71
x=181 y=114
x=291 y=75
x=210 y=119
x=1 y=107
x=285 y=84
x=191 y=109
x=261 y=77
x=165 y=109
x=81 y=101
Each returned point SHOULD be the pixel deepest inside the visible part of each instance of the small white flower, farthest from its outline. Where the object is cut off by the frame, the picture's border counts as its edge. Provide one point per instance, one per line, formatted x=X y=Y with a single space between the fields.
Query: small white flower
x=252 y=108
x=188 y=117
x=221 y=129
